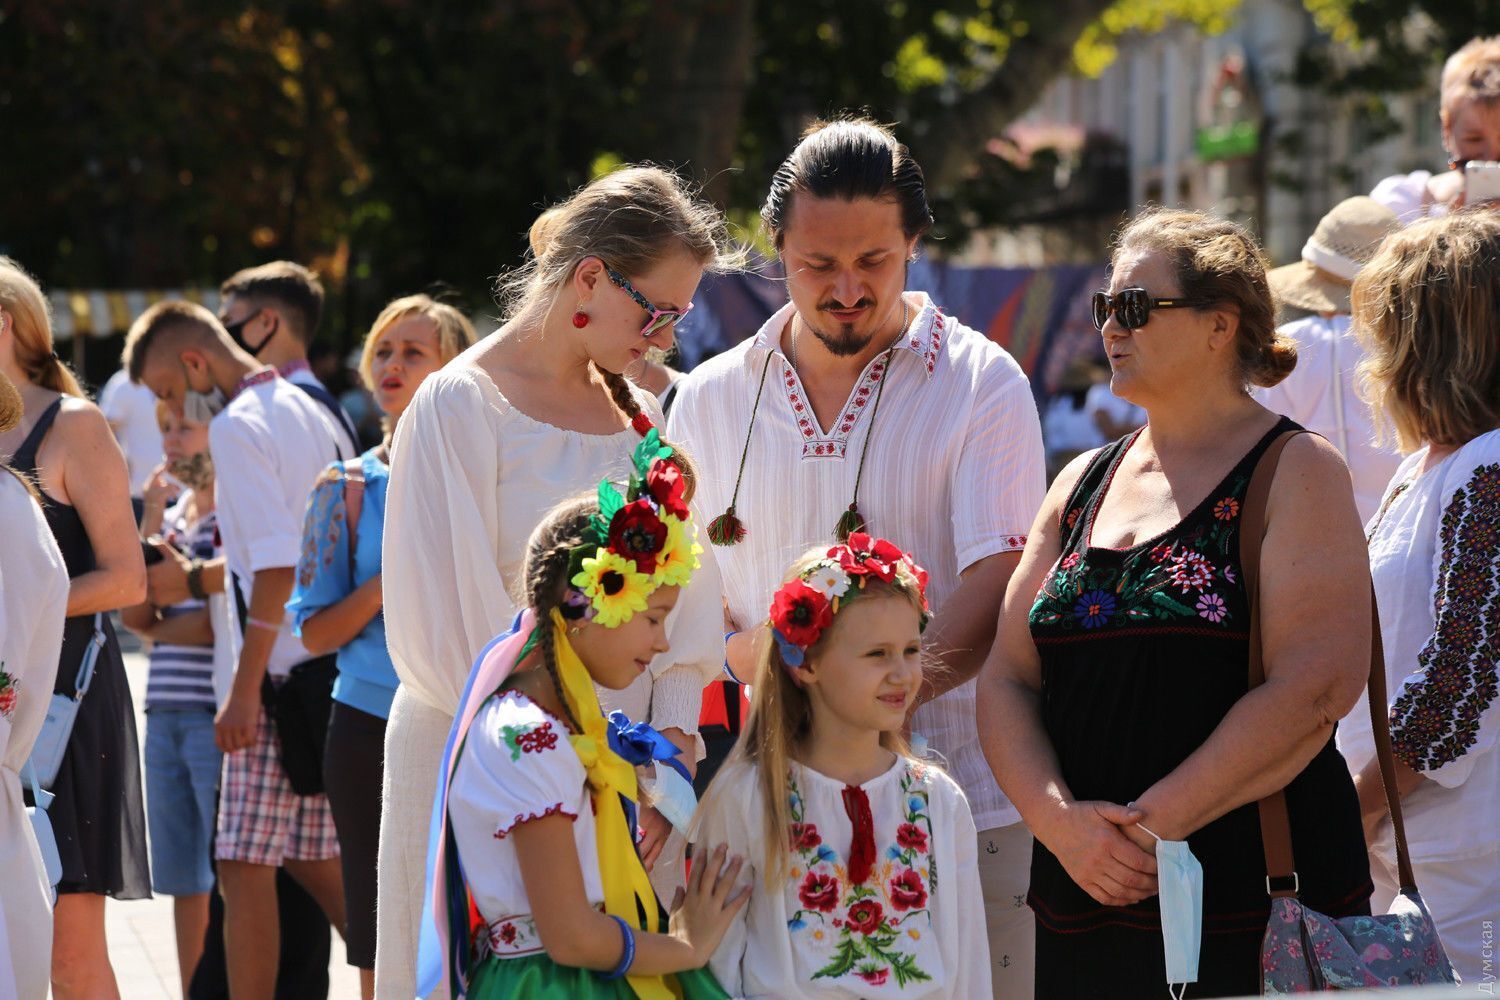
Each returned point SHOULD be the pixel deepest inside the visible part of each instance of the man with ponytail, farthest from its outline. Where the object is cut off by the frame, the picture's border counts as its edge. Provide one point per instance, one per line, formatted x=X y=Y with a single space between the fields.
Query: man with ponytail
x=860 y=402
x=532 y=415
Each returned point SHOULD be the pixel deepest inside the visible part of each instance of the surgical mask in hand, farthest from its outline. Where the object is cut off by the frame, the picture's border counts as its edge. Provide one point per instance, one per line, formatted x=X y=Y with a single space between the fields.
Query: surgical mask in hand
x=201 y=407
x=195 y=471
x=1179 y=879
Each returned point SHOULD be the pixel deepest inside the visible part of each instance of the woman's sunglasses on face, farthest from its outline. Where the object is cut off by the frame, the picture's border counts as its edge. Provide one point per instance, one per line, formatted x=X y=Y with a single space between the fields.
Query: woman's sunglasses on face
x=658 y=319
x=1131 y=307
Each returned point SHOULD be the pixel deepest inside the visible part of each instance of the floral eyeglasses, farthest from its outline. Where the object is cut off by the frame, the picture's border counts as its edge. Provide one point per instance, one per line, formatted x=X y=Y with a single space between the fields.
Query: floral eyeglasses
x=659 y=319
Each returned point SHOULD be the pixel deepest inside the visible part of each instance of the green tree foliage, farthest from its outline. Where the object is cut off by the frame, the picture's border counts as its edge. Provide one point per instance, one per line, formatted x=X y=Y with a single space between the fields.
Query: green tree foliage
x=398 y=144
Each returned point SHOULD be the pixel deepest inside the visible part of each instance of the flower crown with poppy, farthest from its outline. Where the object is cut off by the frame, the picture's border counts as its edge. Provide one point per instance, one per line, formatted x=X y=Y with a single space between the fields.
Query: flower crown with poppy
x=804 y=606
x=639 y=541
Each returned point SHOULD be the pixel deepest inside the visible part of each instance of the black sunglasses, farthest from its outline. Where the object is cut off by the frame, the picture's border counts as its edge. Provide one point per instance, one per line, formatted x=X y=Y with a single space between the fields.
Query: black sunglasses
x=1131 y=307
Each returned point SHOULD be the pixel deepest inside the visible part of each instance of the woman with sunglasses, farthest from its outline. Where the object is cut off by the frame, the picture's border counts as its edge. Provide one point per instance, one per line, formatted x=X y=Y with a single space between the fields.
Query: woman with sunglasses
x=528 y=417
x=1115 y=705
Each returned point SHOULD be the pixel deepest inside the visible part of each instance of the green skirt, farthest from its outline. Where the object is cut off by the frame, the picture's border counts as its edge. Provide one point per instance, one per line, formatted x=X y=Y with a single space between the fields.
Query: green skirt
x=537 y=977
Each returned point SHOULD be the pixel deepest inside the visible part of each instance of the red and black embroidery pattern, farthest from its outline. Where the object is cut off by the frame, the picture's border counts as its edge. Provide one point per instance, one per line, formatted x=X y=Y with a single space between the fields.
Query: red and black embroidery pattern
x=1435 y=721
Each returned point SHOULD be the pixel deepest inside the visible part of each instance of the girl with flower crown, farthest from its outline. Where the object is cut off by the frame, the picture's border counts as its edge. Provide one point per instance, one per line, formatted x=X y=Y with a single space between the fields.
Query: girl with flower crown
x=538 y=887
x=843 y=830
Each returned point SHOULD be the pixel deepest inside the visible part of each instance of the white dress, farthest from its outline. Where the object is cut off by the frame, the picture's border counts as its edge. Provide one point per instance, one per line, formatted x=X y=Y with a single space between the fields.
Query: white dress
x=471 y=476
x=914 y=928
x=517 y=765
x=1435 y=559
x=33 y=601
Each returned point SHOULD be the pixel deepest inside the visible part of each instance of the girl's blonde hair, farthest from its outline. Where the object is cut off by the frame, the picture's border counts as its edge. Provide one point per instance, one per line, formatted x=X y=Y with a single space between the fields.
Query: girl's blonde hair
x=455 y=332
x=1470 y=74
x=31 y=319
x=632 y=219
x=781 y=718
x=1427 y=309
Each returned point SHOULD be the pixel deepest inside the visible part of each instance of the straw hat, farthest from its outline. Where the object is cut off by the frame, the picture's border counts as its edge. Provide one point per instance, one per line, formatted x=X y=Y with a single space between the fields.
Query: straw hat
x=1345 y=240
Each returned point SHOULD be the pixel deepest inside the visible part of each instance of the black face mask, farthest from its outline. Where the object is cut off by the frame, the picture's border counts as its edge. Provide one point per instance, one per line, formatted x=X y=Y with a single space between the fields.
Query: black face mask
x=236 y=333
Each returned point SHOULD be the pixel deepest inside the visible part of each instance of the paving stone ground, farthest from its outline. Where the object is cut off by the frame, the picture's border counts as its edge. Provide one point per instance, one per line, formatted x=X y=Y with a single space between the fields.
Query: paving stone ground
x=142 y=946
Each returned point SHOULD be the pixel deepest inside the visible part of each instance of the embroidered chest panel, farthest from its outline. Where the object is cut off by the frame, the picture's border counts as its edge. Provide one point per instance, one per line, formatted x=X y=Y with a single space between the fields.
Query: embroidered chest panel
x=1186 y=582
x=924 y=340
x=879 y=931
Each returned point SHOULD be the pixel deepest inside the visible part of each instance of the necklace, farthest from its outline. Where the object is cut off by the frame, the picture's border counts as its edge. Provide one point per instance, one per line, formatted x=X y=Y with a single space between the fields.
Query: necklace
x=727 y=528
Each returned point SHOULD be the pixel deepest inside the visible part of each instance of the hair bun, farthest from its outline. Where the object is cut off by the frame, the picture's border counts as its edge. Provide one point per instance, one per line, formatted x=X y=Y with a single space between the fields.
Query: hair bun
x=542 y=233
x=1277 y=360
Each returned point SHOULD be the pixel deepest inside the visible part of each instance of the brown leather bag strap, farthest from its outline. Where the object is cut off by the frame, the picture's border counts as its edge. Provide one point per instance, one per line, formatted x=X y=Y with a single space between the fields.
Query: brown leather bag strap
x=354 y=502
x=1275 y=824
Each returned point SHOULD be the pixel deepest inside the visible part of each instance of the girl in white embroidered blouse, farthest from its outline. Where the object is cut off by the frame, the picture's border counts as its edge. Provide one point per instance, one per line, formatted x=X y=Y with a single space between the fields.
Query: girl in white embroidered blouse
x=844 y=831
x=541 y=789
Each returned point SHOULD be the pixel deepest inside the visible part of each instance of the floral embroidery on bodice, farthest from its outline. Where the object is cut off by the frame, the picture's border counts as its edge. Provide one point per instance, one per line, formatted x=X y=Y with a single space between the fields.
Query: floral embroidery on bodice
x=871 y=932
x=924 y=339
x=1185 y=580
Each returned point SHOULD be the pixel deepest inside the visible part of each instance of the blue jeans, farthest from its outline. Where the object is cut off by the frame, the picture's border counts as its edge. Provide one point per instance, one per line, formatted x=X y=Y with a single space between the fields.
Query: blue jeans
x=182 y=780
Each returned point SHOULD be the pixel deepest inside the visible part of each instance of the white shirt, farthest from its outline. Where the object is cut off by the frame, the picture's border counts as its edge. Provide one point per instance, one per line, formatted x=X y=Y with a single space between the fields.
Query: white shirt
x=917 y=921
x=131 y=412
x=1101 y=399
x=517 y=765
x=1435 y=559
x=1320 y=395
x=471 y=477
x=1407 y=196
x=302 y=374
x=33 y=601
x=1066 y=428
x=269 y=446
x=954 y=474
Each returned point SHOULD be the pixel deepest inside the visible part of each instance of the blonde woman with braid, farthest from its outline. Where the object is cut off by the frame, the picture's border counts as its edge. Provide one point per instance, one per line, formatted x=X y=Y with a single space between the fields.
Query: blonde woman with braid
x=532 y=415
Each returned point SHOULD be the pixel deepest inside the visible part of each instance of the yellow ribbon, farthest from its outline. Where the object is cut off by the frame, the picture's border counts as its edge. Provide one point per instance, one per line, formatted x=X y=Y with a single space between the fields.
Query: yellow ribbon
x=627 y=890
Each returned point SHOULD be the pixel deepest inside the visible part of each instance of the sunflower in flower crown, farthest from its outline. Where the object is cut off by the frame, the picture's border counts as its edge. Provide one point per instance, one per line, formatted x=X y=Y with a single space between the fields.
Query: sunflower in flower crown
x=638 y=542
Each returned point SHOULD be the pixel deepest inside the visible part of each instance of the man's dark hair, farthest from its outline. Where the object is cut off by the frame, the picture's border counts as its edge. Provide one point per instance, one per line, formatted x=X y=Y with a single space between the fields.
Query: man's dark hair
x=286 y=286
x=849 y=158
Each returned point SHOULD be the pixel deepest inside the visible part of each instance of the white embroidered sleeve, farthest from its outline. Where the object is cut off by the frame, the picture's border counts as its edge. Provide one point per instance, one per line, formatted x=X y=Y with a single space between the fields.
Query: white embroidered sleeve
x=730 y=816
x=964 y=945
x=1446 y=713
x=1001 y=474
x=516 y=766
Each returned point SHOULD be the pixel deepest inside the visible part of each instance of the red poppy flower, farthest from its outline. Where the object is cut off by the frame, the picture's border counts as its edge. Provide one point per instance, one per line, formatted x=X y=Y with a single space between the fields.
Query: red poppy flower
x=665 y=484
x=866 y=916
x=907 y=891
x=912 y=836
x=804 y=836
x=863 y=555
x=637 y=534
x=800 y=613
x=508 y=933
x=819 y=892
x=875 y=977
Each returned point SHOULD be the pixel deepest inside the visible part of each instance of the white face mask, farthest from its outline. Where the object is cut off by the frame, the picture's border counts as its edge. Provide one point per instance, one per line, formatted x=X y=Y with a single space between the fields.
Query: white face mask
x=201 y=407
x=1179 y=878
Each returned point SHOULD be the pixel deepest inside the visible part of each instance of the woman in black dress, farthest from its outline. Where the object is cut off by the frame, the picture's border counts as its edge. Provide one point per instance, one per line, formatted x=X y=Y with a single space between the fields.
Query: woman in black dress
x=64 y=444
x=1120 y=672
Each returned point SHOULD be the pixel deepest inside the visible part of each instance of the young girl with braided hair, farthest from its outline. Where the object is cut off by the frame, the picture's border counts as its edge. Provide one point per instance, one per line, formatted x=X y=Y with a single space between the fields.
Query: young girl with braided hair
x=844 y=832
x=538 y=887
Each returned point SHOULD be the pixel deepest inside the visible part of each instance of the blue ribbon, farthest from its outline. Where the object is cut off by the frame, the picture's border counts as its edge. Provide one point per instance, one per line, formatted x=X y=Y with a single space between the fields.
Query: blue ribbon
x=640 y=745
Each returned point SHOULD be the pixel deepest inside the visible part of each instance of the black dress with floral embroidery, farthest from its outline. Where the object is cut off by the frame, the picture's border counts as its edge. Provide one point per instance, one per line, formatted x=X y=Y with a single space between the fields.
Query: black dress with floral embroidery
x=1143 y=652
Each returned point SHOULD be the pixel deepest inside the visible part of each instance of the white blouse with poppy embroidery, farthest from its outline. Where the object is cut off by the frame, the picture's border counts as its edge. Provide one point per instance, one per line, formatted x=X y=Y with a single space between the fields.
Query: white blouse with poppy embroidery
x=914 y=927
x=517 y=766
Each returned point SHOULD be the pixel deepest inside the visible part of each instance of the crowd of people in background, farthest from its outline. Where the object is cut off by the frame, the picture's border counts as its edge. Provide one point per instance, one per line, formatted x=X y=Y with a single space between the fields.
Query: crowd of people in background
x=412 y=671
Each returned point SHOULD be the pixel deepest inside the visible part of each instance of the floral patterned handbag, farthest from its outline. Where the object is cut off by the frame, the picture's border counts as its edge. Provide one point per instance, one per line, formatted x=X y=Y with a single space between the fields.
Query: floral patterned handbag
x=1304 y=950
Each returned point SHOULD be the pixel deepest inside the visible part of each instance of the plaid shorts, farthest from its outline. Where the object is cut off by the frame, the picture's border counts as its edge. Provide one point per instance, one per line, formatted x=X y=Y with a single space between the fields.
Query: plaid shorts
x=261 y=820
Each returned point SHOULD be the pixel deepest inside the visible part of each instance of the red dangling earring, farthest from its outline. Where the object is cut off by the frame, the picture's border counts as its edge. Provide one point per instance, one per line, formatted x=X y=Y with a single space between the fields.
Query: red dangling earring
x=580 y=319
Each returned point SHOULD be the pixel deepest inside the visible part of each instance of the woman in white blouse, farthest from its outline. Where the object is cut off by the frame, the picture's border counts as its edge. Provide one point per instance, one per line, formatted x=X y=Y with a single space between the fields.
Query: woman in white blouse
x=1428 y=307
x=33 y=601
x=533 y=414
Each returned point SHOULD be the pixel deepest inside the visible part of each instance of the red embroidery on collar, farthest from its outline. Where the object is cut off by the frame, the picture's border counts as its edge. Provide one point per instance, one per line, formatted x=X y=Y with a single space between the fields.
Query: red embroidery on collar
x=293 y=366
x=255 y=378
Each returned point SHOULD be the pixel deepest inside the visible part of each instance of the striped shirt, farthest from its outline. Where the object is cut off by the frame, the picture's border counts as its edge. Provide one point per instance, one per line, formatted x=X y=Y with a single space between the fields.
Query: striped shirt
x=954 y=474
x=183 y=676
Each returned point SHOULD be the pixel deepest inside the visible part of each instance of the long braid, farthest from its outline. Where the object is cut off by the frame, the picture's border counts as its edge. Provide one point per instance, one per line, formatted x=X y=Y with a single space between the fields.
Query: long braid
x=620 y=392
x=546 y=646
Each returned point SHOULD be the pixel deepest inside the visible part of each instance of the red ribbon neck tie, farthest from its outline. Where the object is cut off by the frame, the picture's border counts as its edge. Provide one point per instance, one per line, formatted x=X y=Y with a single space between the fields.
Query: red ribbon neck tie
x=862 y=850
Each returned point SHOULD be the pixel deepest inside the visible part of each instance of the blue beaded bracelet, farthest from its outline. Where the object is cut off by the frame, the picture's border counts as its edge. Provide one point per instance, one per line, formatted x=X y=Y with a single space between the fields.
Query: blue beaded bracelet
x=627 y=957
x=728 y=672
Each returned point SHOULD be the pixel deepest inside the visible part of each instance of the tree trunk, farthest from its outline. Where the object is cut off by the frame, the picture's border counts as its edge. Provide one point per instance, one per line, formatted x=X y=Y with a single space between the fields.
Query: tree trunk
x=951 y=142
